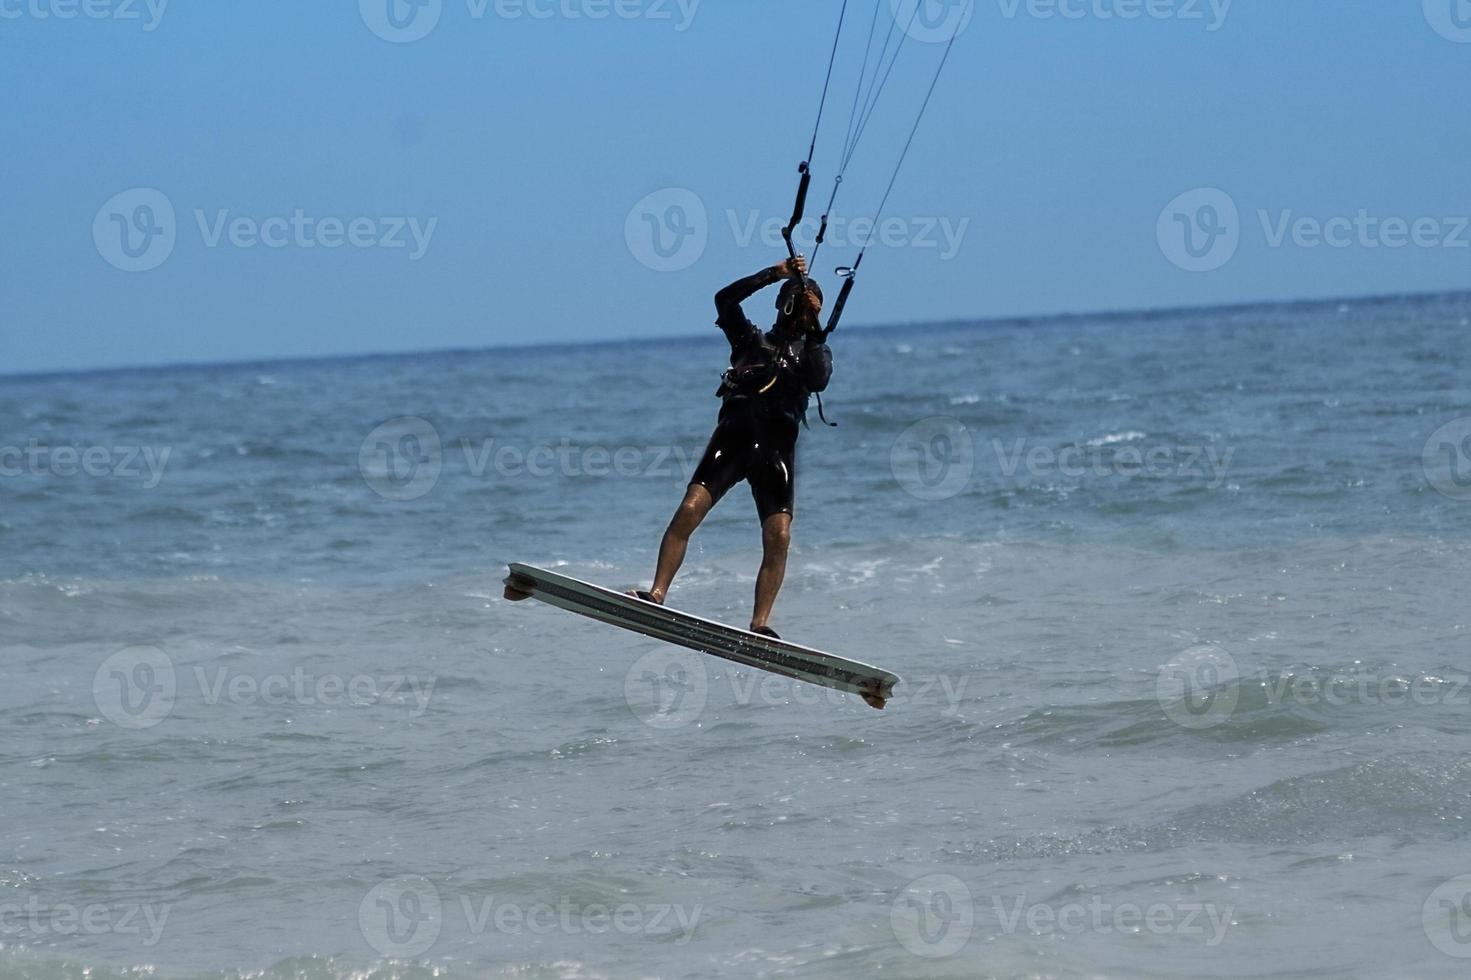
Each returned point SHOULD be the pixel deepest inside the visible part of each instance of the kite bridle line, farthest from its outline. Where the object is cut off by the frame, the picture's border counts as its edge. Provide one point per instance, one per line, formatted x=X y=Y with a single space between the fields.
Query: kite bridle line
x=799 y=210
x=858 y=119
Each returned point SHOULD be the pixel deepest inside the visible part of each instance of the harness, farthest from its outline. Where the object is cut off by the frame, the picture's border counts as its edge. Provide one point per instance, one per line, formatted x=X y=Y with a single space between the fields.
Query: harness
x=752 y=380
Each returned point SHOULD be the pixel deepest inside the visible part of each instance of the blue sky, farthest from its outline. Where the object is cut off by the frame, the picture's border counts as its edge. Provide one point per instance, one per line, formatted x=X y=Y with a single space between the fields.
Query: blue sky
x=499 y=179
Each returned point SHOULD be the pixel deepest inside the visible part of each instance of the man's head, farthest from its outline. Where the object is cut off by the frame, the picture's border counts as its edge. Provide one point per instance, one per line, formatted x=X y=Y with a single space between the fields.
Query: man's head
x=804 y=307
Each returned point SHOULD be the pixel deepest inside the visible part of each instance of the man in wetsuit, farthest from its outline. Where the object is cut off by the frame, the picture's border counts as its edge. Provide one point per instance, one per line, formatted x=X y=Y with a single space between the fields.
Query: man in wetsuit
x=765 y=397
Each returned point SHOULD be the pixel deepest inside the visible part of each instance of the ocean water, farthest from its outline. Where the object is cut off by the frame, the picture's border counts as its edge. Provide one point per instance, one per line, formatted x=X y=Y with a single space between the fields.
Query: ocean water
x=1179 y=601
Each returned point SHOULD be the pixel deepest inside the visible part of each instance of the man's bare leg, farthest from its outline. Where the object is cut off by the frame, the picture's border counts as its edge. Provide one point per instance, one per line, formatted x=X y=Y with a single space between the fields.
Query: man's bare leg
x=776 y=538
x=692 y=510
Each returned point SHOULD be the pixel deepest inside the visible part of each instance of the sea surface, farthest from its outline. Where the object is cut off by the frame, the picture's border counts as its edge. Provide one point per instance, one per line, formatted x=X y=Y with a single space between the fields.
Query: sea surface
x=1179 y=601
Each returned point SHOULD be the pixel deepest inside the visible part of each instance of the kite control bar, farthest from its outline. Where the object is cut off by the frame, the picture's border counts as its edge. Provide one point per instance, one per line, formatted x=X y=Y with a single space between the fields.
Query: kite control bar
x=799 y=210
x=849 y=277
x=847 y=274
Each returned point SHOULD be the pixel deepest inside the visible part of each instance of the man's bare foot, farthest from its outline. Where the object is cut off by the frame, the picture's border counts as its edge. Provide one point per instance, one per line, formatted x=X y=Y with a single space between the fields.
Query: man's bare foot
x=646 y=596
x=765 y=631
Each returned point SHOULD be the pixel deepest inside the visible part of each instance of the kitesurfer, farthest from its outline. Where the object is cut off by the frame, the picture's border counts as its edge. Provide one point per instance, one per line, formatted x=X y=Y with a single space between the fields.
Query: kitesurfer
x=764 y=403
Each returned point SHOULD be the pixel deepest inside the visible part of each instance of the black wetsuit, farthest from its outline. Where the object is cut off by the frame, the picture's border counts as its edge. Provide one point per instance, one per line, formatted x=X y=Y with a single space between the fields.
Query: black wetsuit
x=766 y=394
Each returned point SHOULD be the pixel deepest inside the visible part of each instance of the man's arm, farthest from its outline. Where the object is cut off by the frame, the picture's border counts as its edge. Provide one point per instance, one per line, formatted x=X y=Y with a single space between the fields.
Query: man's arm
x=729 y=316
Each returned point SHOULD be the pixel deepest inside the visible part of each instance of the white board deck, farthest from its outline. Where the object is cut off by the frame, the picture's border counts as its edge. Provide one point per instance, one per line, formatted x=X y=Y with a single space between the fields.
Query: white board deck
x=749 y=649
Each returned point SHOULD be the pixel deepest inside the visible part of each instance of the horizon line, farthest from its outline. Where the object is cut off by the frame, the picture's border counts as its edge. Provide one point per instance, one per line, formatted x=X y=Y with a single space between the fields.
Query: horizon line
x=1156 y=312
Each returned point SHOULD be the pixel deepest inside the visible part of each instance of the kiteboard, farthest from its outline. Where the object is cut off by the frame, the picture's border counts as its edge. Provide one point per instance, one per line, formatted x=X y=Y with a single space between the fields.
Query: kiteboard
x=873 y=685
